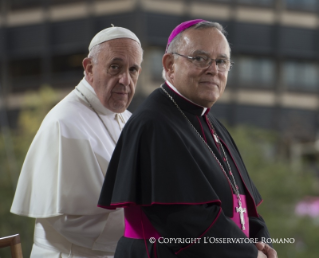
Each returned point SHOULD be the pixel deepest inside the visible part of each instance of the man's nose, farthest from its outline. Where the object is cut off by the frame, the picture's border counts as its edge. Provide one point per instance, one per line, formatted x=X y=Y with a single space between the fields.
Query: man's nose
x=125 y=78
x=212 y=68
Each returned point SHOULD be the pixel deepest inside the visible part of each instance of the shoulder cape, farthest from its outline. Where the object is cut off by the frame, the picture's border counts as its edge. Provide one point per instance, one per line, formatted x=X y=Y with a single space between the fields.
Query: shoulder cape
x=143 y=170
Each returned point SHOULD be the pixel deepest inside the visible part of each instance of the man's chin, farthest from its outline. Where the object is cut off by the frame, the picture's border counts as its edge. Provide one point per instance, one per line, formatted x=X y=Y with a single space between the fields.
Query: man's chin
x=119 y=107
x=209 y=99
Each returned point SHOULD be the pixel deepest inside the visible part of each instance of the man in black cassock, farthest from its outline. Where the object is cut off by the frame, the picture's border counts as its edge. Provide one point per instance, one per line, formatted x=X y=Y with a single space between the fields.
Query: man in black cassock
x=177 y=171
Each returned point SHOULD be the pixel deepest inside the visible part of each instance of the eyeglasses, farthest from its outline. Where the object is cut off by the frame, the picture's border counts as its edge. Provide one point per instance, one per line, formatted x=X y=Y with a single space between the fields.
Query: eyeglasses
x=203 y=61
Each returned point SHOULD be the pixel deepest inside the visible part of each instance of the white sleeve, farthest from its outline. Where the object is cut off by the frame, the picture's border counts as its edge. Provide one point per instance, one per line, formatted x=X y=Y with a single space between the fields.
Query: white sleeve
x=90 y=231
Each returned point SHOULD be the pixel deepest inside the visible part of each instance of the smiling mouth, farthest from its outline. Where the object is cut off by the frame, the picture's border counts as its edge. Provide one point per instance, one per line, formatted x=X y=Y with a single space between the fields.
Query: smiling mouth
x=209 y=83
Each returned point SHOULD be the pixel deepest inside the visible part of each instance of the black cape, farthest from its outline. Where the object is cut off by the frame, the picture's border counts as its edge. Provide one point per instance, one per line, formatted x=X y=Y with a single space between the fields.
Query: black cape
x=162 y=164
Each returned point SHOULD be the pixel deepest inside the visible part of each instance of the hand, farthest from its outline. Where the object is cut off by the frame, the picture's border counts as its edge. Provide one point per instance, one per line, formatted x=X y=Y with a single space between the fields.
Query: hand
x=261 y=255
x=266 y=249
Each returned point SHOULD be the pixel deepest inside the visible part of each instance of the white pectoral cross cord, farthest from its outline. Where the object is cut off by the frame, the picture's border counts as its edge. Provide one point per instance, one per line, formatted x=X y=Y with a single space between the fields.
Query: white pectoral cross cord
x=241 y=210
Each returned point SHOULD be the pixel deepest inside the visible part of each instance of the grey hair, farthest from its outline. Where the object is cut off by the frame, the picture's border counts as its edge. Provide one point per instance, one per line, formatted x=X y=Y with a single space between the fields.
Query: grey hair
x=177 y=41
x=94 y=52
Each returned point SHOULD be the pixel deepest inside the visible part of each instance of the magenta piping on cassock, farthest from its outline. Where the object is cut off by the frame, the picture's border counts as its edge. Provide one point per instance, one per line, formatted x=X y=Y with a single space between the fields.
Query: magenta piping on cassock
x=128 y=204
x=212 y=132
x=255 y=210
x=229 y=183
x=259 y=203
x=235 y=218
x=202 y=129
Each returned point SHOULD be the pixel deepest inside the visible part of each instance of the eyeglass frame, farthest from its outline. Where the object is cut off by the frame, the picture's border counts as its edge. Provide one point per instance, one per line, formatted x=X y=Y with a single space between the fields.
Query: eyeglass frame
x=209 y=63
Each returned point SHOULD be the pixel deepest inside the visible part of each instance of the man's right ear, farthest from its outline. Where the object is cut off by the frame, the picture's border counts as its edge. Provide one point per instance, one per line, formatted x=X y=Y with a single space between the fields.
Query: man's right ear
x=168 y=64
x=88 y=68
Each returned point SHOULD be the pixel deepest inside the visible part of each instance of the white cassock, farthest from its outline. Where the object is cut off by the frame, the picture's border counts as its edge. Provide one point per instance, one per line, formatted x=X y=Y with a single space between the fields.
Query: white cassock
x=62 y=176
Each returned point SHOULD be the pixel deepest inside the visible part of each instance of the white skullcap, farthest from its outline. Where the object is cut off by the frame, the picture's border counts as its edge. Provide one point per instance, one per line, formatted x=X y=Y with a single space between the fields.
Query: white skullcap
x=112 y=33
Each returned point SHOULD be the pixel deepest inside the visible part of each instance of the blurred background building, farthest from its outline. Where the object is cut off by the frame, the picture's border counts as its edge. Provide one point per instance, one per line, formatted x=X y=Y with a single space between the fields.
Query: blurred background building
x=275 y=46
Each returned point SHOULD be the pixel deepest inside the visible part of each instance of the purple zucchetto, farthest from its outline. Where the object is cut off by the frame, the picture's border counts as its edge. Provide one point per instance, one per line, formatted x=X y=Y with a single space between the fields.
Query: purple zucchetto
x=181 y=27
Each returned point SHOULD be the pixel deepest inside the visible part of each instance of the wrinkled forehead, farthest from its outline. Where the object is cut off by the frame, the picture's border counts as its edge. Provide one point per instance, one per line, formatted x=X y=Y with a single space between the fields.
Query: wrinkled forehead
x=121 y=50
x=210 y=40
x=124 y=44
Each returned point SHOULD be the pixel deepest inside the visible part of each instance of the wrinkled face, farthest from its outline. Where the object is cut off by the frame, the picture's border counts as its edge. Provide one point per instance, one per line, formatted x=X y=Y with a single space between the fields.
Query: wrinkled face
x=202 y=86
x=115 y=73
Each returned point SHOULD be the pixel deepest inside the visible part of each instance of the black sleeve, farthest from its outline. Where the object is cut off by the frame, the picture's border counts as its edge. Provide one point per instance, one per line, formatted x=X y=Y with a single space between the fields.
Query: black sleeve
x=190 y=222
x=258 y=228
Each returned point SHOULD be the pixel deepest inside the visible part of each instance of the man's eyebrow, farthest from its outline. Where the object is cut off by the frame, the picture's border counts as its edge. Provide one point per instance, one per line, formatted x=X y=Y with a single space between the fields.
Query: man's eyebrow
x=117 y=59
x=199 y=52
x=122 y=60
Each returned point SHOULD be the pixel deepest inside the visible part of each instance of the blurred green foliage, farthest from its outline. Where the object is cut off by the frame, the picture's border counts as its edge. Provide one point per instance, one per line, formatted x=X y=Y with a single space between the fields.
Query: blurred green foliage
x=280 y=186
x=36 y=106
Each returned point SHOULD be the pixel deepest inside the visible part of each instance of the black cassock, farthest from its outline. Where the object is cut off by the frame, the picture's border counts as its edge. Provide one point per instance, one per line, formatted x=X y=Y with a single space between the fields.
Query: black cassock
x=161 y=165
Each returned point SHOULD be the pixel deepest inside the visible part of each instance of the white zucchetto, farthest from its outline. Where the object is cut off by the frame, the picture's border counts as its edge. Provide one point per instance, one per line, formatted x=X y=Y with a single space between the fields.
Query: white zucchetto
x=112 y=33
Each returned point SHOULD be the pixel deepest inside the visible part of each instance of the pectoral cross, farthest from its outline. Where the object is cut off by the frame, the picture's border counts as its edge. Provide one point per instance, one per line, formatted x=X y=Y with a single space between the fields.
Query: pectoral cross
x=241 y=211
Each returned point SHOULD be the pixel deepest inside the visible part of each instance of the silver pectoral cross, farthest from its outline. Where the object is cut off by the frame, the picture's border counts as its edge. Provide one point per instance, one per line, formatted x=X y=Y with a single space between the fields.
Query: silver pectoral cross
x=241 y=211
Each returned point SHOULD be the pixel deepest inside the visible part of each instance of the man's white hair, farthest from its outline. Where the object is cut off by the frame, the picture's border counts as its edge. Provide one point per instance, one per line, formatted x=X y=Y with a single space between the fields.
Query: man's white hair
x=93 y=54
x=177 y=41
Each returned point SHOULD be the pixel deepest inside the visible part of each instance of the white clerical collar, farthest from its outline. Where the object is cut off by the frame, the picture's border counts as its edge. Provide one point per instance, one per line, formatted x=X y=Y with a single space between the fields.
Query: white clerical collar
x=174 y=89
x=85 y=88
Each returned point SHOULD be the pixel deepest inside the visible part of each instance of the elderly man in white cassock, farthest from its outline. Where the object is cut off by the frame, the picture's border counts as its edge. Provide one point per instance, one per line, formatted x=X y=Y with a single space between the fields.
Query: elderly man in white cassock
x=64 y=169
